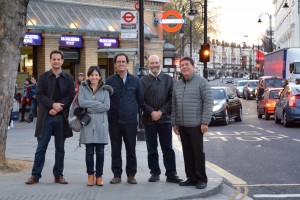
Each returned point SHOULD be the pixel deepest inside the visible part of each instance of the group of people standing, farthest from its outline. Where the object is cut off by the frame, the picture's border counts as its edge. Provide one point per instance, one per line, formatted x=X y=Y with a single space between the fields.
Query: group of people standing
x=185 y=105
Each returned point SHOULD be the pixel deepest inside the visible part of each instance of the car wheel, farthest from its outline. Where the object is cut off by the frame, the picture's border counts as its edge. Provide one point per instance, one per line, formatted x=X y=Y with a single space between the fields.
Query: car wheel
x=286 y=123
x=267 y=116
x=239 y=118
x=259 y=116
x=226 y=118
x=277 y=121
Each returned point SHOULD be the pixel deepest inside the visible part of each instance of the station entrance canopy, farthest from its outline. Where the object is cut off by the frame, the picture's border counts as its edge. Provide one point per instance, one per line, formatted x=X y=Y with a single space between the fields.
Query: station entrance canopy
x=74 y=17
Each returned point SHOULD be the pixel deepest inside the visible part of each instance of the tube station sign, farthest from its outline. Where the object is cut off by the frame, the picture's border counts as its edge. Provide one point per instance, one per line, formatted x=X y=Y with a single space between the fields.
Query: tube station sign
x=32 y=39
x=106 y=43
x=70 y=41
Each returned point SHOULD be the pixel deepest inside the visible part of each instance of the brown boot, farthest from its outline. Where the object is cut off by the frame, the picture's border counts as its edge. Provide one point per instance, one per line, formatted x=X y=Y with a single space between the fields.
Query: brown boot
x=99 y=181
x=91 y=180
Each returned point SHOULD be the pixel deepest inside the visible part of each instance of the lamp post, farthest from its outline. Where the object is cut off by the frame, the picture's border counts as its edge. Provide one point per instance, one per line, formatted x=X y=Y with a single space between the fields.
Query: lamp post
x=270 y=49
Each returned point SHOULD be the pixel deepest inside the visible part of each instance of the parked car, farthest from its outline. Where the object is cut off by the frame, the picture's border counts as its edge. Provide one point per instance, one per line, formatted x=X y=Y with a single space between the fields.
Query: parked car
x=229 y=79
x=287 y=108
x=266 y=104
x=239 y=87
x=226 y=106
x=249 y=89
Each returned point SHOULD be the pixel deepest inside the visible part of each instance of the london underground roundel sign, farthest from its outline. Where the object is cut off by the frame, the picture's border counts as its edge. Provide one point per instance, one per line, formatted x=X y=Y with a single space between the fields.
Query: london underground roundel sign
x=179 y=20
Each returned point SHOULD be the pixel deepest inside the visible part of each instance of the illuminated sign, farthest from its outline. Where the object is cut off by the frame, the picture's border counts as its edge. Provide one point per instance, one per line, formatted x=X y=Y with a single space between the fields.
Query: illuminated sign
x=178 y=21
x=70 y=41
x=32 y=39
x=104 y=43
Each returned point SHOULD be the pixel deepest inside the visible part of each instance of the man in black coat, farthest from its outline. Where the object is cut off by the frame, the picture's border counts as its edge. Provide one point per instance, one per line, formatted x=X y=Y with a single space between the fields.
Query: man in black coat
x=55 y=93
x=158 y=89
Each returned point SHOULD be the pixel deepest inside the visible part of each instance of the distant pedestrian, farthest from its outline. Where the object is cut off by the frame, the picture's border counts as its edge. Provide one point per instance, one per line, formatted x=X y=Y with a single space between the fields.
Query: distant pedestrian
x=128 y=97
x=25 y=100
x=55 y=93
x=192 y=104
x=32 y=96
x=158 y=88
x=80 y=79
x=94 y=96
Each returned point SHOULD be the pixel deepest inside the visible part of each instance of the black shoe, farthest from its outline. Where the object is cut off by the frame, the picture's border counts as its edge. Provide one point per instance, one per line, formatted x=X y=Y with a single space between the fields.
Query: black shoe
x=188 y=182
x=201 y=185
x=154 y=178
x=173 y=179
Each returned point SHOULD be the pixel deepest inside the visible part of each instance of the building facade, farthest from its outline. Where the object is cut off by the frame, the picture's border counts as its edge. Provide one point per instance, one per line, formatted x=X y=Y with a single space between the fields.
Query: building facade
x=89 y=32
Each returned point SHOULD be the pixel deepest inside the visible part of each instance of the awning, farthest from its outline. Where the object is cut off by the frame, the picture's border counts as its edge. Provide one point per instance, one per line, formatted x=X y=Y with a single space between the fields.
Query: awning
x=260 y=56
x=74 y=17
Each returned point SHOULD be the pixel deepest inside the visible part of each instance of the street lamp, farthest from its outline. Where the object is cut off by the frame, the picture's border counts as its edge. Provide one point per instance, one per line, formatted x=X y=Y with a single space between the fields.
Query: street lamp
x=270 y=49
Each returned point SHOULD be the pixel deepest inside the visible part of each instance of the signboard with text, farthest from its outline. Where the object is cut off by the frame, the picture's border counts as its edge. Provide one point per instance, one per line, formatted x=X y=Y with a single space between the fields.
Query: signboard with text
x=128 y=24
x=32 y=39
x=106 y=43
x=70 y=41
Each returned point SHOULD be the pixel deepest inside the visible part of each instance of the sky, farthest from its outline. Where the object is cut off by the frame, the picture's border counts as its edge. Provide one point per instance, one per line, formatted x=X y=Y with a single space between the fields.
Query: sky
x=238 y=18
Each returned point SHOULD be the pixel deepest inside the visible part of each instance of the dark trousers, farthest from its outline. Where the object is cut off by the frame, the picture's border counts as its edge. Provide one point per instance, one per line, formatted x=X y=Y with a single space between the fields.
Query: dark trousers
x=98 y=149
x=128 y=133
x=23 y=109
x=54 y=125
x=194 y=157
x=164 y=132
x=32 y=109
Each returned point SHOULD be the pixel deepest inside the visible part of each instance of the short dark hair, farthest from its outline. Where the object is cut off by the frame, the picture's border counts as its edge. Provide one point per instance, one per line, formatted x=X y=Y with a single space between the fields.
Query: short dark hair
x=57 y=52
x=35 y=78
x=97 y=69
x=121 y=54
x=187 y=59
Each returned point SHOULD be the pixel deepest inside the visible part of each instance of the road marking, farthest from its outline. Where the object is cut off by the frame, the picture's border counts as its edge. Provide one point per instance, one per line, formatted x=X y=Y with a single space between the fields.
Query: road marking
x=275 y=195
x=296 y=140
x=269 y=131
x=251 y=126
x=259 y=128
x=274 y=185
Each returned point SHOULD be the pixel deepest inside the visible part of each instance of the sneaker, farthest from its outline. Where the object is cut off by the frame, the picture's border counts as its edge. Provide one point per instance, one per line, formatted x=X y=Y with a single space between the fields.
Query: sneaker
x=8 y=127
x=173 y=179
x=154 y=178
x=115 y=180
x=131 y=180
x=12 y=124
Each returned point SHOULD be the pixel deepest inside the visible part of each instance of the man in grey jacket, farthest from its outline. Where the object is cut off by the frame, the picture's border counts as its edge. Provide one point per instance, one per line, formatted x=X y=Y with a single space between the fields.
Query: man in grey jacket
x=192 y=104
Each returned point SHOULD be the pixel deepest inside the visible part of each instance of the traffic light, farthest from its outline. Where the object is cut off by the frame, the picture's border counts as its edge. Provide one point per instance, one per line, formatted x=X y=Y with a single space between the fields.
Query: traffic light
x=204 y=53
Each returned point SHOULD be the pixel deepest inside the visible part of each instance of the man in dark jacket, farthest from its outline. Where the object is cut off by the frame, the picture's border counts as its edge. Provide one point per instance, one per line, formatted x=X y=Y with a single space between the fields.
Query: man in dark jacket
x=55 y=93
x=32 y=95
x=158 y=89
x=122 y=118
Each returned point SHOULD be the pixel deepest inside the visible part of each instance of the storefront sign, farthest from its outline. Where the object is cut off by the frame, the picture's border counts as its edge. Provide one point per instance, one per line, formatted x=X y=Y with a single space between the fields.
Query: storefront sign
x=32 y=39
x=104 y=43
x=70 y=41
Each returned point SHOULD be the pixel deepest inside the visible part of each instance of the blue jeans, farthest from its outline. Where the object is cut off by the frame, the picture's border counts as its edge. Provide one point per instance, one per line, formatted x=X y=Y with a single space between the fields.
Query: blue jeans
x=164 y=132
x=54 y=125
x=89 y=158
x=32 y=109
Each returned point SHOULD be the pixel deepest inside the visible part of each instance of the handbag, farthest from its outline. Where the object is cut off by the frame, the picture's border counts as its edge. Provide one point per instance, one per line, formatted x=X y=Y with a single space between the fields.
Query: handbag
x=73 y=120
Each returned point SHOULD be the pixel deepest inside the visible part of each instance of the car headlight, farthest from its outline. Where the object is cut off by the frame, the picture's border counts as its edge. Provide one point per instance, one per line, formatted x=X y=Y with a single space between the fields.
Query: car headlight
x=250 y=89
x=217 y=107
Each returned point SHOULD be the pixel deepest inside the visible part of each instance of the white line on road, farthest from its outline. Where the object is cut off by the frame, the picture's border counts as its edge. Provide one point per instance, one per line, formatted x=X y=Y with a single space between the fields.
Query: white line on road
x=251 y=126
x=270 y=131
x=259 y=128
x=296 y=140
x=275 y=195
x=283 y=135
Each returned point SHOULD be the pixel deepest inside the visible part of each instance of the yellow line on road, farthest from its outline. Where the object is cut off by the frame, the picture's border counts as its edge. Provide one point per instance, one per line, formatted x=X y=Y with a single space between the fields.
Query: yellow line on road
x=273 y=185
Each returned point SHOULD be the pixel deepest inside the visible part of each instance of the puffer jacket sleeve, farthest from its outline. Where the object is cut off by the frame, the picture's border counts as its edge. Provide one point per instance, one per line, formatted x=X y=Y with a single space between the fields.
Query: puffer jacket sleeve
x=173 y=114
x=208 y=102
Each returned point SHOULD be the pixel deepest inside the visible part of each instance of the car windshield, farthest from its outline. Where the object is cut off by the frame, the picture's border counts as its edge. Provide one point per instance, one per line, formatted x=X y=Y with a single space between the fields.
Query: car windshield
x=218 y=93
x=242 y=83
x=296 y=89
x=274 y=82
x=253 y=84
x=274 y=94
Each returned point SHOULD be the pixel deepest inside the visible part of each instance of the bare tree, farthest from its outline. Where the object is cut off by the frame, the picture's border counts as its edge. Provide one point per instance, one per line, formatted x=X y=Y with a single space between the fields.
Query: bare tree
x=197 y=28
x=12 y=28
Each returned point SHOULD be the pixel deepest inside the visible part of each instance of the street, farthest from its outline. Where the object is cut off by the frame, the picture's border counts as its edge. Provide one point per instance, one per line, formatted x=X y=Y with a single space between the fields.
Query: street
x=261 y=156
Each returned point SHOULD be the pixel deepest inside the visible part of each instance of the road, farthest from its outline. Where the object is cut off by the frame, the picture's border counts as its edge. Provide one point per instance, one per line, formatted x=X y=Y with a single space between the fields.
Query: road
x=256 y=156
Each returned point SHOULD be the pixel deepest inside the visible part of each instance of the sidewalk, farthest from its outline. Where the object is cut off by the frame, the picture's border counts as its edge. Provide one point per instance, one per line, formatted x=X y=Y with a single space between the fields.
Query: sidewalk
x=21 y=144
